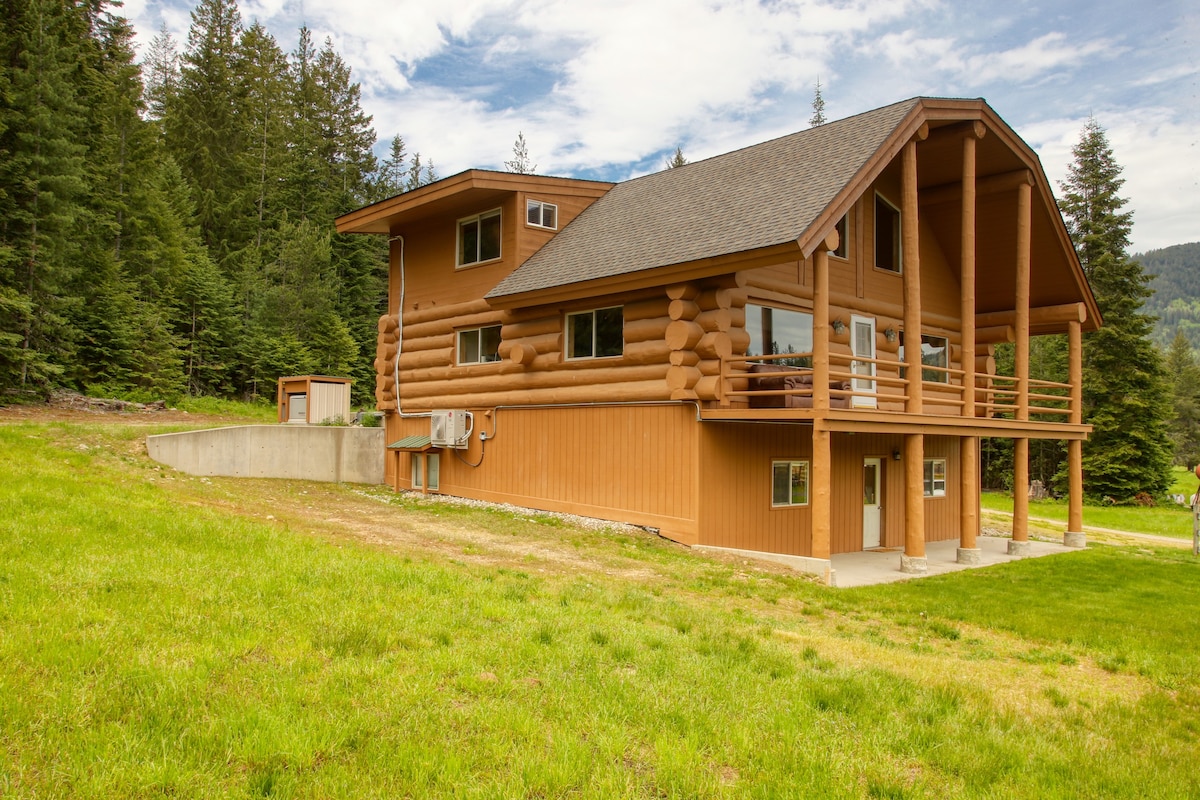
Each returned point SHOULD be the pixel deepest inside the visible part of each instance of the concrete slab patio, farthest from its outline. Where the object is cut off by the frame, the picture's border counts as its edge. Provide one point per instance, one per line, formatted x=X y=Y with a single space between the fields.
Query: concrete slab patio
x=883 y=566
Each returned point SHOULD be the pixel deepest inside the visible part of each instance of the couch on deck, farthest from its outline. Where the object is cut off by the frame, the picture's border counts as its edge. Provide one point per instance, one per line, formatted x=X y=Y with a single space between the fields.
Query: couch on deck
x=762 y=379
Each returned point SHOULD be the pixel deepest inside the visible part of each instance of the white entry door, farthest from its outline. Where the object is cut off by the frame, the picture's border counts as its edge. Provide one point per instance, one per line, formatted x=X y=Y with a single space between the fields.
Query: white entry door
x=862 y=344
x=872 y=483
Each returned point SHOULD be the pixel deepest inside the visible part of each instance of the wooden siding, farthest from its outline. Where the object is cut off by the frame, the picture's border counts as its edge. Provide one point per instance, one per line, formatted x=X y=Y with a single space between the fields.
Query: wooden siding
x=633 y=464
x=735 y=489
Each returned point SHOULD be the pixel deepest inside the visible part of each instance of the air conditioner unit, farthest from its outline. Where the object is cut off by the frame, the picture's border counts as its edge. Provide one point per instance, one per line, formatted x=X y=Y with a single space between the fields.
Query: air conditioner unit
x=450 y=428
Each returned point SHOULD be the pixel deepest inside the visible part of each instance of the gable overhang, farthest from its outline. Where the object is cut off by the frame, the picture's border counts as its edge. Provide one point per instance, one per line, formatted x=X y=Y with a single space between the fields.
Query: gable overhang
x=653 y=277
x=457 y=194
x=1056 y=254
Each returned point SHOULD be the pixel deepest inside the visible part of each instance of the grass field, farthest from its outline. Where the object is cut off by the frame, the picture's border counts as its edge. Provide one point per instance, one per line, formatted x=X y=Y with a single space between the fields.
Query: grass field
x=169 y=636
x=1167 y=519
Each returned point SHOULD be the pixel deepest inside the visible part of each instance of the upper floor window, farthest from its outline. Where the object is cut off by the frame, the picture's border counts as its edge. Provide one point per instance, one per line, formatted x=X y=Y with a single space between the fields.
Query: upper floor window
x=935 y=477
x=887 y=235
x=479 y=345
x=843 y=229
x=774 y=331
x=596 y=334
x=935 y=352
x=541 y=215
x=479 y=238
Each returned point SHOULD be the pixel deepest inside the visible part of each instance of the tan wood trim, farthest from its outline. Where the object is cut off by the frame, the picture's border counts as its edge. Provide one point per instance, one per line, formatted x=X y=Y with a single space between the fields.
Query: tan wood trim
x=1024 y=260
x=967 y=259
x=866 y=421
x=1042 y=315
x=991 y=184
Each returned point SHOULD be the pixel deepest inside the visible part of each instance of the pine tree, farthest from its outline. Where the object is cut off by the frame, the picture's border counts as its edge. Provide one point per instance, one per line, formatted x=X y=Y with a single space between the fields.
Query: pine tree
x=520 y=163
x=1125 y=395
x=160 y=69
x=676 y=159
x=1184 y=374
x=818 y=106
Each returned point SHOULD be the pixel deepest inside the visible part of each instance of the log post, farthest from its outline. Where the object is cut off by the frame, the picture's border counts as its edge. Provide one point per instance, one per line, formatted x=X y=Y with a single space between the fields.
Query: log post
x=1074 y=535
x=1019 y=544
x=913 y=559
x=968 y=446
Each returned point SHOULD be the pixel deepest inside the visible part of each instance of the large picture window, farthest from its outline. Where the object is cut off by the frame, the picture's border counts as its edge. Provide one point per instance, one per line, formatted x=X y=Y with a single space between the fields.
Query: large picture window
x=935 y=352
x=887 y=235
x=479 y=345
x=935 y=477
x=596 y=334
x=774 y=331
x=789 y=483
x=479 y=238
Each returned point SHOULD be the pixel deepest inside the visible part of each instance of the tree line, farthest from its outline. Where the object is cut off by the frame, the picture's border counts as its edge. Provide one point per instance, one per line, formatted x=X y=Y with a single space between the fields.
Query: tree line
x=167 y=228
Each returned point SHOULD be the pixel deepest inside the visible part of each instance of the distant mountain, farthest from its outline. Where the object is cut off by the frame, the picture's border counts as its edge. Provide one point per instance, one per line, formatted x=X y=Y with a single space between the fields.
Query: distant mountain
x=1176 y=298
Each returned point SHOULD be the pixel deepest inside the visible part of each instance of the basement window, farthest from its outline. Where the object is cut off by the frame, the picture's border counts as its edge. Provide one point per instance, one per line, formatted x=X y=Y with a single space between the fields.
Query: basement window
x=789 y=483
x=479 y=345
x=887 y=235
x=596 y=334
x=935 y=477
x=541 y=215
x=479 y=238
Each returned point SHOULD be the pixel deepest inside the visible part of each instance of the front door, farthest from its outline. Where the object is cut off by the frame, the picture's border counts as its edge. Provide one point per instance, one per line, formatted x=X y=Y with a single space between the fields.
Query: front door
x=862 y=343
x=872 y=483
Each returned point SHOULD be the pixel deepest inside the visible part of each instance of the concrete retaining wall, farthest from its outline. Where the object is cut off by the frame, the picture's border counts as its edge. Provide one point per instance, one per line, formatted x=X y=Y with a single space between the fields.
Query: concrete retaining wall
x=303 y=452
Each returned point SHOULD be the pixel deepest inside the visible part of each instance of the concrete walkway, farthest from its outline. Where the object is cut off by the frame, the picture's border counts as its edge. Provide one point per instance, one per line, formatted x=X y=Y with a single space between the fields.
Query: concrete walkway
x=883 y=566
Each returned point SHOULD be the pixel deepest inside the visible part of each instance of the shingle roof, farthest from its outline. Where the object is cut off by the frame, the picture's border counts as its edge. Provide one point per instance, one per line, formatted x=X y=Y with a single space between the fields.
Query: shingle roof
x=760 y=196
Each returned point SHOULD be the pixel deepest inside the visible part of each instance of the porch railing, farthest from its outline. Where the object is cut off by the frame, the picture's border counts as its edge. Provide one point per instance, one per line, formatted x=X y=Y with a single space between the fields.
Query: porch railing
x=882 y=385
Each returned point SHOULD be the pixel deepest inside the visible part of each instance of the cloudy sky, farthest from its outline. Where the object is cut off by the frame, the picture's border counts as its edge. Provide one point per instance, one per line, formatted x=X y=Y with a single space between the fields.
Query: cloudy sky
x=608 y=88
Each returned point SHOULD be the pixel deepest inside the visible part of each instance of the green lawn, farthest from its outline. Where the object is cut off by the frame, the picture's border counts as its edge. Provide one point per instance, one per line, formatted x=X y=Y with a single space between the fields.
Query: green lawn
x=169 y=636
x=1163 y=520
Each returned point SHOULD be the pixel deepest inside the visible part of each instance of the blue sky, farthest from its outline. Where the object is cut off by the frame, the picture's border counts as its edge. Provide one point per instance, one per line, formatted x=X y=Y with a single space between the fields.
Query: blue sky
x=607 y=88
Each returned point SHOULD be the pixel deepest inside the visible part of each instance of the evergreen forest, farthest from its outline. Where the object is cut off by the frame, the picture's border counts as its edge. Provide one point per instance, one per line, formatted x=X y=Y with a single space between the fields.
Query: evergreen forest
x=166 y=227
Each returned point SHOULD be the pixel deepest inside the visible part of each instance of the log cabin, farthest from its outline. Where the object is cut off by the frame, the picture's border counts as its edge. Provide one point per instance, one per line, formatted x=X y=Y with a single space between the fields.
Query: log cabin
x=786 y=350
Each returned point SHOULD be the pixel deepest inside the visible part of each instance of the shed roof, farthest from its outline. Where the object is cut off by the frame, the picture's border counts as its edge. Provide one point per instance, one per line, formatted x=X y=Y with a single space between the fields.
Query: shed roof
x=760 y=196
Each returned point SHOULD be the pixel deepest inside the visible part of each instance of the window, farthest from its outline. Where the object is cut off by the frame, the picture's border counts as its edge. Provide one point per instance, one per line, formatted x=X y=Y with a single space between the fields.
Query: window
x=843 y=248
x=541 y=215
x=479 y=238
x=887 y=235
x=774 y=331
x=479 y=345
x=425 y=471
x=935 y=352
x=789 y=483
x=596 y=334
x=935 y=477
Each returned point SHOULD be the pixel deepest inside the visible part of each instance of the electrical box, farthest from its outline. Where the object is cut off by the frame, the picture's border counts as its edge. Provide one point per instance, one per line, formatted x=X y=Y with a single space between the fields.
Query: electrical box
x=450 y=428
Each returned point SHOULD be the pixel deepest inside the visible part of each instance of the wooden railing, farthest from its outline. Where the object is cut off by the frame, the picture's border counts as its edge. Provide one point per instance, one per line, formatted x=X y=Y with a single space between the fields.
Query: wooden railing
x=882 y=385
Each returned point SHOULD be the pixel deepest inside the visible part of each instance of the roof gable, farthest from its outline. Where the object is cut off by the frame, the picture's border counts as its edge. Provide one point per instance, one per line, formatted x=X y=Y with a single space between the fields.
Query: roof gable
x=761 y=196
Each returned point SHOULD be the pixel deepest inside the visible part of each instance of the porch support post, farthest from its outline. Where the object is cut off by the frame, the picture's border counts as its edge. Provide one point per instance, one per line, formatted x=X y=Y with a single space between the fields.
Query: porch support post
x=1019 y=544
x=821 y=495
x=821 y=321
x=1074 y=535
x=913 y=559
x=968 y=446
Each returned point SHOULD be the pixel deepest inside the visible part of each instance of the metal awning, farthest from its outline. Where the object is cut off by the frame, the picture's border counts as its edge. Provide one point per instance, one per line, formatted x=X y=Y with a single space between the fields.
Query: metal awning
x=412 y=444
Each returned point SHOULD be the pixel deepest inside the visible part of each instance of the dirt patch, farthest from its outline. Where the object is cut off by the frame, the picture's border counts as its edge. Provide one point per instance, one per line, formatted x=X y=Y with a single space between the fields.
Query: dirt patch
x=74 y=407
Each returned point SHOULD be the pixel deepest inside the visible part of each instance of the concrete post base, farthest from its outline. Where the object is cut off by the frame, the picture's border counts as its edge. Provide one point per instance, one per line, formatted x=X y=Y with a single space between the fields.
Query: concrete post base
x=1074 y=539
x=1016 y=548
x=970 y=555
x=914 y=565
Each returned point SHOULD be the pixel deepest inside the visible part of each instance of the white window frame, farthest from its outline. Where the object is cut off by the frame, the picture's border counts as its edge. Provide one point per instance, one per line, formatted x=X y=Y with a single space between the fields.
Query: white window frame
x=569 y=339
x=791 y=465
x=458 y=243
x=478 y=344
x=541 y=207
x=898 y=235
x=930 y=478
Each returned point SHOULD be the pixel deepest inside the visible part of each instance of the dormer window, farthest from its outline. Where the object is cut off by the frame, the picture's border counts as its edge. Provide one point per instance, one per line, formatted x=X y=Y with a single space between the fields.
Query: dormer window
x=541 y=215
x=479 y=238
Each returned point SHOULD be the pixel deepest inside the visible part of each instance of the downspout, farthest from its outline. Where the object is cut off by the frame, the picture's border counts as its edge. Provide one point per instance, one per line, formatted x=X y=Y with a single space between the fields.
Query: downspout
x=400 y=333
